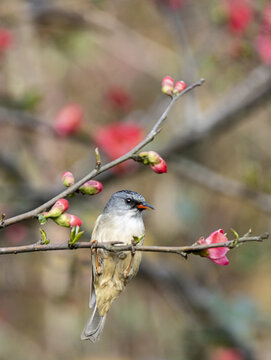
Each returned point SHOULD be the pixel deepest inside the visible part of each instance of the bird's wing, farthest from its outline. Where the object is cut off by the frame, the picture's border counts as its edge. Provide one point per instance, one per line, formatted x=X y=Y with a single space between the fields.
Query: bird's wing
x=92 y=296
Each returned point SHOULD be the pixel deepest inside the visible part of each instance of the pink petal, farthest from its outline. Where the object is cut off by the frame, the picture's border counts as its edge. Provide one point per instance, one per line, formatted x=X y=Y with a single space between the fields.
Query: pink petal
x=216 y=237
x=221 y=261
x=216 y=253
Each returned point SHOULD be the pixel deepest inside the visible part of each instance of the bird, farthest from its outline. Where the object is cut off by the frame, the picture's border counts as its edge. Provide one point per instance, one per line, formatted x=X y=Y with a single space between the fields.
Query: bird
x=121 y=221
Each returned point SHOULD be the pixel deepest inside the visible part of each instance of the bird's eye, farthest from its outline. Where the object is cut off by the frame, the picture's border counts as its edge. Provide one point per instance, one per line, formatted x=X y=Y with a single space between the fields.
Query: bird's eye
x=128 y=201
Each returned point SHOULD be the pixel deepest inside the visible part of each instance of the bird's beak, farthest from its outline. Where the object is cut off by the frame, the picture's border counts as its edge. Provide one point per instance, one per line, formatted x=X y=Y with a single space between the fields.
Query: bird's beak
x=144 y=205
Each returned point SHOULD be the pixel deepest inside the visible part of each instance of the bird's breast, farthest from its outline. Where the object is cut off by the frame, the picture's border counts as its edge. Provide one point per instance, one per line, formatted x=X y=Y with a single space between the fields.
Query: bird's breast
x=118 y=228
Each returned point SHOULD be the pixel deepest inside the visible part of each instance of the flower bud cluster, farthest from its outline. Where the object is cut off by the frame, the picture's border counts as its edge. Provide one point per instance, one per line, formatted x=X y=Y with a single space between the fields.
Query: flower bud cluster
x=59 y=215
x=156 y=162
x=91 y=187
x=168 y=87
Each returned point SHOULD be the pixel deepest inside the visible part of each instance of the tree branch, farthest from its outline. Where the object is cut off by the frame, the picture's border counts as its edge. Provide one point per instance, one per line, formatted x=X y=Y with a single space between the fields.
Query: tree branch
x=150 y=136
x=180 y=250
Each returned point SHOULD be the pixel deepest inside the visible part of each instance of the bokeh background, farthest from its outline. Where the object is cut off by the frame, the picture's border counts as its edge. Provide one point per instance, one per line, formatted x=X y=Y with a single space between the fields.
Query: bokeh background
x=105 y=61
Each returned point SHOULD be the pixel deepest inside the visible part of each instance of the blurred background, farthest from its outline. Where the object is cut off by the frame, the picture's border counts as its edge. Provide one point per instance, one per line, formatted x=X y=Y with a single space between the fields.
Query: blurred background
x=77 y=74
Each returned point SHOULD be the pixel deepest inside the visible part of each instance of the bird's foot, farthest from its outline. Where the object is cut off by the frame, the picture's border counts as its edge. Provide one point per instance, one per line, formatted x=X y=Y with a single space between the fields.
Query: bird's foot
x=127 y=271
x=97 y=263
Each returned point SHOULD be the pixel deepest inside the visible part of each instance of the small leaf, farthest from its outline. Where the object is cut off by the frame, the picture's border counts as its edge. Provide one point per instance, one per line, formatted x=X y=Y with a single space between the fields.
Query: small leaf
x=42 y=219
x=137 y=239
x=44 y=239
x=236 y=240
x=73 y=233
x=76 y=238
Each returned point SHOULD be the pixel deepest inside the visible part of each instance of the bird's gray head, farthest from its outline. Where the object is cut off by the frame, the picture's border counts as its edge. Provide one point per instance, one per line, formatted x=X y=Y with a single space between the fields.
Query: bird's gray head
x=126 y=201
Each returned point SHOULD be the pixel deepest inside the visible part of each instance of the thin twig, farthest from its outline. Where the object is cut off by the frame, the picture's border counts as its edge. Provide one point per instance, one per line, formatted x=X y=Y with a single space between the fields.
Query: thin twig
x=180 y=250
x=150 y=136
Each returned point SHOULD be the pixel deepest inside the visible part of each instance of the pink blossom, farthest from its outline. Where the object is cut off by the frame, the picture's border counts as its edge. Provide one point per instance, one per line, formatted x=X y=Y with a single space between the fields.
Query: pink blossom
x=91 y=187
x=68 y=120
x=67 y=179
x=217 y=255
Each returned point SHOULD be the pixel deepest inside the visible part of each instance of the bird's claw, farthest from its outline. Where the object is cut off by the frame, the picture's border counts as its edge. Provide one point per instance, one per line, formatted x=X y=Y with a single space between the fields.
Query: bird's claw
x=97 y=263
x=128 y=269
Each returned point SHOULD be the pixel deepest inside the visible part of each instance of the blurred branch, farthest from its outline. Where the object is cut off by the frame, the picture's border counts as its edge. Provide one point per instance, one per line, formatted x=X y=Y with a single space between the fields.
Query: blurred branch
x=180 y=250
x=150 y=136
x=219 y=183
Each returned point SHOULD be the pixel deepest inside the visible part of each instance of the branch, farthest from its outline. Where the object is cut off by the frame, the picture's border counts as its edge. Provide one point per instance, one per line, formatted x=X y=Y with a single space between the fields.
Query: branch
x=244 y=97
x=180 y=250
x=150 y=136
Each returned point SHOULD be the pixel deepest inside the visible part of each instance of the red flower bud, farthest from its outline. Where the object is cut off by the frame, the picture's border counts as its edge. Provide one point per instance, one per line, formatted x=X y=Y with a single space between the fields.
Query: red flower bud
x=167 y=85
x=160 y=168
x=217 y=255
x=179 y=87
x=68 y=220
x=91 y=187
x=152 y=158
x=67 y=179
x=68 y=120
x=59 y=207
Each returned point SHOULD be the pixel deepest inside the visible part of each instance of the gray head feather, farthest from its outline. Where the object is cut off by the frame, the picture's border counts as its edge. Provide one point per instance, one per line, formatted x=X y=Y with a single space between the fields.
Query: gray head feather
x=124 y=200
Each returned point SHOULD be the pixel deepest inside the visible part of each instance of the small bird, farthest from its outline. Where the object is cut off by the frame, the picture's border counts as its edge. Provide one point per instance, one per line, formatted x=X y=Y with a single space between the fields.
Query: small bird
x=121 y=221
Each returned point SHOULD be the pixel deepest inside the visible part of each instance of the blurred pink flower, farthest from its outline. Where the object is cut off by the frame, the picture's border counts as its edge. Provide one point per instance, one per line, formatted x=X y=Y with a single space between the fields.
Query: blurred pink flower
x=266 y=20
x=6 y=39
x=16 y=233
x=175 y=4
x=226 y=354
x=117 y=139
x=263 y=47
x=217 y=255
x=119 y=99
x=240 y=15
x=68 y=120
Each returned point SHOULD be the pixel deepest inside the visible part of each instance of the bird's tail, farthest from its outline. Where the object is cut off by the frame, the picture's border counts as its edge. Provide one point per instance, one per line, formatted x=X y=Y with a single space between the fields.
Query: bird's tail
x=94 y=326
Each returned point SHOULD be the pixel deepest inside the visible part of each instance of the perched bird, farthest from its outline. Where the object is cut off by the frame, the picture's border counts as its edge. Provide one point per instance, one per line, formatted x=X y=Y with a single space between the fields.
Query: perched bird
x=120 y=221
